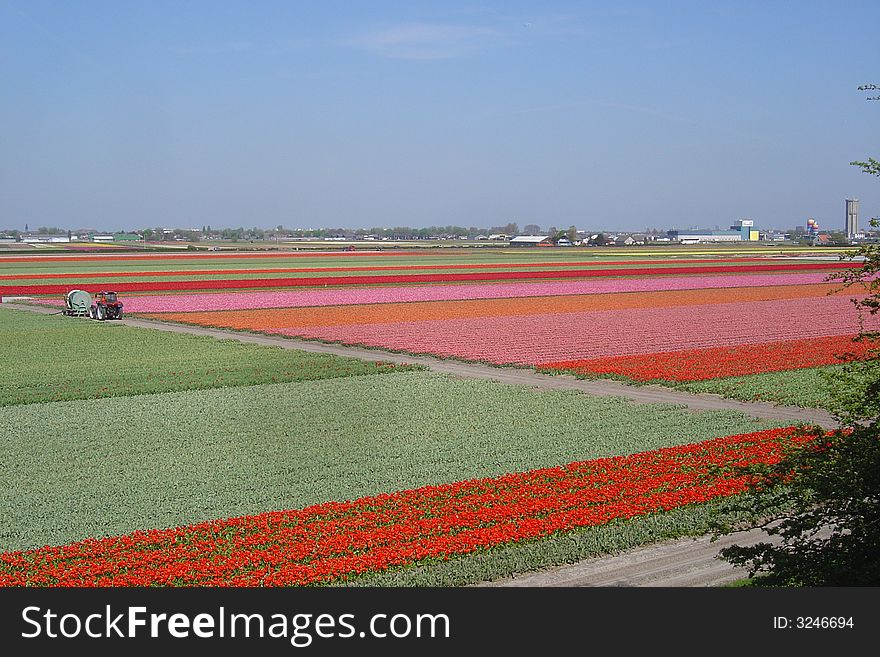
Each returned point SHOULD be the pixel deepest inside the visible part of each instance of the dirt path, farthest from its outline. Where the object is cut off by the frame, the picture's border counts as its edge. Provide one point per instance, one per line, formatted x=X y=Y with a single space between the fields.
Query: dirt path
x=601 y=387
x=685 y=562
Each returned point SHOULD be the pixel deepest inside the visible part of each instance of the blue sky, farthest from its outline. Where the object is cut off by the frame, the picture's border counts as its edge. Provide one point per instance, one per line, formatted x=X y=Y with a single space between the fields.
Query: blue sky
x=617 y=115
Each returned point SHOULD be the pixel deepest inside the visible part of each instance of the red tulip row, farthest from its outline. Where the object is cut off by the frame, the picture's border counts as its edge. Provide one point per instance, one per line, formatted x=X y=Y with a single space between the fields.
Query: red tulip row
x=147 y=286
x=726 y=361
x=337 y=540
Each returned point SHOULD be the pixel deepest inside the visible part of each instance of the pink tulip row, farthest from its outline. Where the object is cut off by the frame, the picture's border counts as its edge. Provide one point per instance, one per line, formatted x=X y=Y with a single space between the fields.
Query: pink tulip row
x=399 y=294
x=567 y=336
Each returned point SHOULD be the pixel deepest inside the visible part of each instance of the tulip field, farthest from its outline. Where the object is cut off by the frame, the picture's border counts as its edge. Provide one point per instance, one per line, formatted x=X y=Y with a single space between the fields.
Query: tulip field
x=336 y=540
x=674 y=324
x=677 y=321
x=135 y=456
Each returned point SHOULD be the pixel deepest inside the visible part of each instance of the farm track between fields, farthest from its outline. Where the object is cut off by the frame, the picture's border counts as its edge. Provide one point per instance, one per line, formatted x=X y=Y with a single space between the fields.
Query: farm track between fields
x=519 y=376
x=685 y=562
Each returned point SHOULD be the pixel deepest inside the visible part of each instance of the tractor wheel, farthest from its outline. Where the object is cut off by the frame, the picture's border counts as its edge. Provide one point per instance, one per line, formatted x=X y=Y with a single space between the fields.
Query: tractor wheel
x=119 y=313
x=91 y=312
x=100 y=313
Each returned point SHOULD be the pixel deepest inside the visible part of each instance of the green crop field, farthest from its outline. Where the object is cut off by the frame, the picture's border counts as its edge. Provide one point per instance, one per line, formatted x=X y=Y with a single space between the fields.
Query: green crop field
x=668 y=256
x=86 y=468
x=808 y=387
x=51 y=358
x=73 y=276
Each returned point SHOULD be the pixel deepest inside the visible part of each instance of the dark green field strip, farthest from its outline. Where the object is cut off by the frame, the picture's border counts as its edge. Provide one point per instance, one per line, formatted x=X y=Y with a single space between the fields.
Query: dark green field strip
x=70 y=470
x=561 y=258
x=51 y=357
x=341 y=259
x=244 y=275
x=172 y=264
x=45 y=265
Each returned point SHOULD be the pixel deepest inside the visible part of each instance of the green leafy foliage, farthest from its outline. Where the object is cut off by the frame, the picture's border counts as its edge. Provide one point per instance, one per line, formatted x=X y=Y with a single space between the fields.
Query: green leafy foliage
x=872 y=166
x=830 y=532
x=52 y=358
x=71 y=470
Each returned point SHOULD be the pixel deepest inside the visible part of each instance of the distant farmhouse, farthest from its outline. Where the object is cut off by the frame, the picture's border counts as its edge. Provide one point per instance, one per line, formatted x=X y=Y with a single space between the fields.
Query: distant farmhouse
x=631 y=240
x=531 y=240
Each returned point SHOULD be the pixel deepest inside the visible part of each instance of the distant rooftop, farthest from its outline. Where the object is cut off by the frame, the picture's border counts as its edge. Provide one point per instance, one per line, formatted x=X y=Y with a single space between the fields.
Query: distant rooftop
x=530 y=238
x=707 y=232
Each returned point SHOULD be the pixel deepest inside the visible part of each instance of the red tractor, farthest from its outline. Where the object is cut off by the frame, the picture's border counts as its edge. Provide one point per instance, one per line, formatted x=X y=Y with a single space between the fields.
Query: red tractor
x=105 y=305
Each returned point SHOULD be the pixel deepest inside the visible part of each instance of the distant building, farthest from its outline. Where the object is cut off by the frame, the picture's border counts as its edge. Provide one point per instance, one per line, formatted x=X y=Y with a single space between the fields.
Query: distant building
x=746 y=228
x=530 y=240
x=126 y=237
x=705 y=236
x=852 y=217
x=46 y=239
x=630 y=240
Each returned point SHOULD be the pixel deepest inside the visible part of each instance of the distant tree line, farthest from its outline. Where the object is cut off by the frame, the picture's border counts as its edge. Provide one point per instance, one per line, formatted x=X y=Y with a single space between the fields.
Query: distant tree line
x=395 y=233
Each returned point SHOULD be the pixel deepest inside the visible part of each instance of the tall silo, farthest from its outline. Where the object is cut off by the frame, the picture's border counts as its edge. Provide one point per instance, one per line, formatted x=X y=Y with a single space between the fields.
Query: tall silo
x=852 y=217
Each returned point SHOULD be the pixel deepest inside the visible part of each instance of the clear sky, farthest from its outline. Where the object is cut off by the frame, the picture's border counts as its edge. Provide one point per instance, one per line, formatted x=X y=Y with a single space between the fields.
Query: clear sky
x=617 y=115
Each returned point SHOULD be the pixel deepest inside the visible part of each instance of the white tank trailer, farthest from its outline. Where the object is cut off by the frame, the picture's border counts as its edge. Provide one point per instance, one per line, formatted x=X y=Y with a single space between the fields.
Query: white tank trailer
x=76 y=303
x=104 y=305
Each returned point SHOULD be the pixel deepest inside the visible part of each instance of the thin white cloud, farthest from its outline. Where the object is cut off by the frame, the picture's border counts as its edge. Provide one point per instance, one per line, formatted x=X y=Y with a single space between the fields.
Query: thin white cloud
x=426 y=40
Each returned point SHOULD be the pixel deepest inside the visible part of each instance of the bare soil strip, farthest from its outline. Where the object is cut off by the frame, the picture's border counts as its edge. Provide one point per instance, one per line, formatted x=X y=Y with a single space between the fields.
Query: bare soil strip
x=649 y=394
x=684 y=562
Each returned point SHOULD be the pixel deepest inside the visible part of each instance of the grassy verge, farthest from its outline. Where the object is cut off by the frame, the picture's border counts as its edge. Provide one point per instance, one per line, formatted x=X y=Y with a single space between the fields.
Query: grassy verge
x=55 y=358
x=807 y=388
